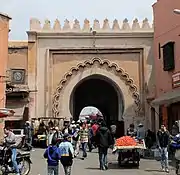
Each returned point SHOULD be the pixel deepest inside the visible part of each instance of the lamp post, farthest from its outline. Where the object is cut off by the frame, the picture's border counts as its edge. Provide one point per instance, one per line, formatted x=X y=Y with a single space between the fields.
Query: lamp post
x=176 y=11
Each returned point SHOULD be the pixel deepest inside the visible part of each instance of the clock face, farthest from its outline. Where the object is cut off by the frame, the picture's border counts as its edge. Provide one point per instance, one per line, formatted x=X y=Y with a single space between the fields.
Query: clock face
x=17 y=76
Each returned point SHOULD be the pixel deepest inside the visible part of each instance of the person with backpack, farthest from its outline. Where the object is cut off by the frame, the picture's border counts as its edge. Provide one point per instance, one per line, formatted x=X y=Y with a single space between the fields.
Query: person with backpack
x=66 y=153
x=52 y=154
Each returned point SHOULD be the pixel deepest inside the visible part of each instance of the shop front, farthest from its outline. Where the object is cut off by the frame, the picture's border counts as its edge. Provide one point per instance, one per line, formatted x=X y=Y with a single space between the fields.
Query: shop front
x=169 y=104
x=17 y=100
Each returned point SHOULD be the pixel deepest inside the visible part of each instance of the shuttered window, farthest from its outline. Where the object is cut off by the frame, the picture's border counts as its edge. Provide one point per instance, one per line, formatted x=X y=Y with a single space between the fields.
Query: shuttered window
x=168 y=56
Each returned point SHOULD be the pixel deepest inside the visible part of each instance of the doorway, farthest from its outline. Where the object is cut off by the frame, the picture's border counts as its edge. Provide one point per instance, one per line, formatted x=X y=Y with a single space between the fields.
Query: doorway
x=100 y=92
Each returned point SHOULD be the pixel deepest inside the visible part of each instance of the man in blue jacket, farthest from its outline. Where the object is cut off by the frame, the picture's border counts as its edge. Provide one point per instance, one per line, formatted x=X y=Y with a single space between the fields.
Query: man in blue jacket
x=52 y=154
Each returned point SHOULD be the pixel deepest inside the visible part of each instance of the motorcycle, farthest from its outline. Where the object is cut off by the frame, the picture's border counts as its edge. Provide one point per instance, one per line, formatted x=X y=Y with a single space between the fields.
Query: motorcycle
x=23 y=161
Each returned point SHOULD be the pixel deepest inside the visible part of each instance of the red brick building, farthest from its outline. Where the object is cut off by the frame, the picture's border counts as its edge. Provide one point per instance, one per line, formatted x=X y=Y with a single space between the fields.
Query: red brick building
x=167 y=62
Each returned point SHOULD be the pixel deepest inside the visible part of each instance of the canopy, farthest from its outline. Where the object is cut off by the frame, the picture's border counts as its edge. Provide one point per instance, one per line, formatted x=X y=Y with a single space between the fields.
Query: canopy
x=89 y=112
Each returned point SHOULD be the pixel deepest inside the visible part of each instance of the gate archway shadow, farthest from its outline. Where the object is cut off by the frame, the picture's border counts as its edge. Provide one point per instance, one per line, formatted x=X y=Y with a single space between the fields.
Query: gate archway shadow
x=100 y=92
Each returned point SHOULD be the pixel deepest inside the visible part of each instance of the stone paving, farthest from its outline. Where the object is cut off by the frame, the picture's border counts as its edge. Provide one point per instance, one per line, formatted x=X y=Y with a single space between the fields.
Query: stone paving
x=90 y=165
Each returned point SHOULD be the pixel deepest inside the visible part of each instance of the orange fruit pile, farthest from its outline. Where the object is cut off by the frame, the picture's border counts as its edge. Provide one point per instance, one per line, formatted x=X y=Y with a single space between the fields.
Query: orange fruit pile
x=125 y=141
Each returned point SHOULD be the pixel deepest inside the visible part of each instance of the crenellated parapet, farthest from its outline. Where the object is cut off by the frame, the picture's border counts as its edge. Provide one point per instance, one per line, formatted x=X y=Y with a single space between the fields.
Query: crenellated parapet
x=105 y=26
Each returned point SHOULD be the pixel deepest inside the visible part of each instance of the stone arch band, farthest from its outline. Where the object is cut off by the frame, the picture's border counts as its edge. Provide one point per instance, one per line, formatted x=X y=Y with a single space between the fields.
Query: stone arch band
x=88 y=63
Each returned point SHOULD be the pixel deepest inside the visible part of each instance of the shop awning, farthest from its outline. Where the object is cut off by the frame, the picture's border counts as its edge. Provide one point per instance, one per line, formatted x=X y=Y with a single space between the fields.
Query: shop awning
x=167 y=98
x=5 y=112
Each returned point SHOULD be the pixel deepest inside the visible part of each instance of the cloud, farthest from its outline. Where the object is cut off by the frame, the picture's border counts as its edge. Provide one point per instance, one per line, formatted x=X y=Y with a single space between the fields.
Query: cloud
x=22 y=10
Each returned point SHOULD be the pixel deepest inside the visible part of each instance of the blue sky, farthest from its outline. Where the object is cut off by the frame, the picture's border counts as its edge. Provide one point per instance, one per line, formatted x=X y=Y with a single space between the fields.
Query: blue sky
x=22 y=10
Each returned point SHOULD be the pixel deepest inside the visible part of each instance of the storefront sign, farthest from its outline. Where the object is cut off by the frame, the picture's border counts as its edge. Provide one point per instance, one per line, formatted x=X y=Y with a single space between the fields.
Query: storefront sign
x=18 y=88
x=176 y=80
x=12 y=89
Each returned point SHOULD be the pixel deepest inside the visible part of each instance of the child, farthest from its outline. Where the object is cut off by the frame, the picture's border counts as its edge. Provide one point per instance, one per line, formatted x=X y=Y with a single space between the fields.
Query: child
x=52 y=154
x=66 y=153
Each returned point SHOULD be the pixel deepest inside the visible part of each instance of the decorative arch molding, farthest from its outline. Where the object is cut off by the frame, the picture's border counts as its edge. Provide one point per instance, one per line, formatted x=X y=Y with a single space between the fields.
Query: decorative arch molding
x=118 y=71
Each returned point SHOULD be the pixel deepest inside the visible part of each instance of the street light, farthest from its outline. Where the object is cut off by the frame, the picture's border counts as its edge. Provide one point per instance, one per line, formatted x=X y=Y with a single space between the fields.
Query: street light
x=177 y=11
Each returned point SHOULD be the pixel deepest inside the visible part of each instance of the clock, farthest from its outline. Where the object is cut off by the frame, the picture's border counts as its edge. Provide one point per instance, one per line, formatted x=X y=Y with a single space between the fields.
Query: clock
x=17 y=76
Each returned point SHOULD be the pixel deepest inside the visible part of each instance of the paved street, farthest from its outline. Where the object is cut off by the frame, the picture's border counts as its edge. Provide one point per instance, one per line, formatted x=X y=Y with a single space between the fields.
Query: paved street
x=90 y=165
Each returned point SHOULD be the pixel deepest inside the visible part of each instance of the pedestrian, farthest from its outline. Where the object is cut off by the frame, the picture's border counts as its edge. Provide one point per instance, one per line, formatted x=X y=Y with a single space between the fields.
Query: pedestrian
x=57 y=136
x=84 y=137
x=90 y=138
x=113 y=128
x=11 y=143
x=104 y=140
x=76 y=140
x=52 y=154
x=67 y=129
x=141 y=134
x=66 y=153
x=28 y=131
x=131 y=131
x=50 y=136
x=163 y=137
x=95 y=127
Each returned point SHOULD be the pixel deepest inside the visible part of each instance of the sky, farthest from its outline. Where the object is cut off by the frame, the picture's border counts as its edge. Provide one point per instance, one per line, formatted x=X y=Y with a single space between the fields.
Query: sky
x=22 y=10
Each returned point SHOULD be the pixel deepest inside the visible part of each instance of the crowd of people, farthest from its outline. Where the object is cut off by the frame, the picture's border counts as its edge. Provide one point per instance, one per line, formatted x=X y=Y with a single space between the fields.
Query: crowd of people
x=65 y=145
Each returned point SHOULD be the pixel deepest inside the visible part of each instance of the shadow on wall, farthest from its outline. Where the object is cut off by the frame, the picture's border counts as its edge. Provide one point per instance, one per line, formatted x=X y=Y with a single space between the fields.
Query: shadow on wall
x=150 y=88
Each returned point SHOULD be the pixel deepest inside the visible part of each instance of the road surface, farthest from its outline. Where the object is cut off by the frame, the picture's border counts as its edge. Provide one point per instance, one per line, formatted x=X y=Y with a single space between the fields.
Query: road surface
x=90 y=166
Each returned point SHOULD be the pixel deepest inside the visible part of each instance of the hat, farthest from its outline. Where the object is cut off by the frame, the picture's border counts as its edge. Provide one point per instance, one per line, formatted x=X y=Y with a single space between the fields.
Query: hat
x=66 y=135
x=140 y=124
x=28 y=122
x=73 y=122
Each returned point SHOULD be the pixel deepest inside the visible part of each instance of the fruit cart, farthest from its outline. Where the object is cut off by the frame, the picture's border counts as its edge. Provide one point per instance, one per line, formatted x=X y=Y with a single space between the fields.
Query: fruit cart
x=129 y=155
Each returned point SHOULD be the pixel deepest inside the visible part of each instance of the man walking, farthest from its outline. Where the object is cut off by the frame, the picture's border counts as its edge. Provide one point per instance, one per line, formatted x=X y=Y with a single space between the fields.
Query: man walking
x=103 y=140
x=28 y=130
x=163 y=141
x=66 y=153
x=52 y=154
x=84 y=136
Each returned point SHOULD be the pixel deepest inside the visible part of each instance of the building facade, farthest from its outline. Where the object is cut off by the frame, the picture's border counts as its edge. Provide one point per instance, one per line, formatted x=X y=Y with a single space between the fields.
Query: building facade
x=167 y=62
x=4 y=32
x=70 y=67
x=17 y=84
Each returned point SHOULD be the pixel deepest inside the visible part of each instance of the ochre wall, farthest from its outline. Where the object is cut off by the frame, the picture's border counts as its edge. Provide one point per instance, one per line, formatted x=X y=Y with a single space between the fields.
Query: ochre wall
x=4 y=31
x=63 y=63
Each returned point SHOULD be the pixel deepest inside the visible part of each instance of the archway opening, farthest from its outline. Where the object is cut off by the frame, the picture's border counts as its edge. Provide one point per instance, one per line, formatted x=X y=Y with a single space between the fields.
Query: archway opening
x=100 y=92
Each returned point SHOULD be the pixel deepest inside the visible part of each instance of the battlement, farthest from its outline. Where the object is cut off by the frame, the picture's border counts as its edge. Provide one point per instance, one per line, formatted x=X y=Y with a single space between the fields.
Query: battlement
x=115 y=26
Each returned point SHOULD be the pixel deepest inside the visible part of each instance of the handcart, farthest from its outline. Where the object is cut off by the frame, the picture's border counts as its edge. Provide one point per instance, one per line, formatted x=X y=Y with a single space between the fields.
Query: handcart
x=129 y=155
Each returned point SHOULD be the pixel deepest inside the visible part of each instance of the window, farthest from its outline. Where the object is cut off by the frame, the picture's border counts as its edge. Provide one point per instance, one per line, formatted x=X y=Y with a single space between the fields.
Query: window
x=168 y=56
x=18 y=76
